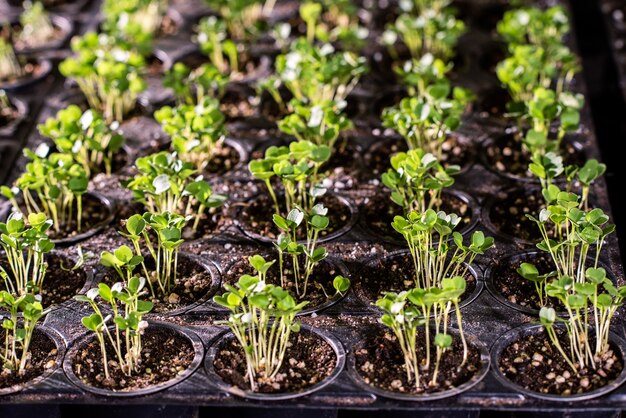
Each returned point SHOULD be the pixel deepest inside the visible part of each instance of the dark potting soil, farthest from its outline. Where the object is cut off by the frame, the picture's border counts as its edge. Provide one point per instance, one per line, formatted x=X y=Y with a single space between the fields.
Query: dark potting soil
x=224 y=159
x=456 y=152
x=393 y=274
x=257 y=216
x=320 y=283
x=508 y=213
x=345 y=166
x=380 y=363
x=506 y=155
x=519 y=290
x=533 y=363
x=165 y=355
x=43 y=357
x=308 y=360
x=192 y=283
x=378 y=212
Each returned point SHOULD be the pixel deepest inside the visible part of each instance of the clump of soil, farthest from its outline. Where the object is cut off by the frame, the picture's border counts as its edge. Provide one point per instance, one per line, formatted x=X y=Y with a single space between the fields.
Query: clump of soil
x=193 y=283
x=43 y=357
x=380 y=363
x=164 y=356
x=533 y=363
x=257 y=217
x=378 y=213
x=394 y=274
x=320 y=285
x=308 y=360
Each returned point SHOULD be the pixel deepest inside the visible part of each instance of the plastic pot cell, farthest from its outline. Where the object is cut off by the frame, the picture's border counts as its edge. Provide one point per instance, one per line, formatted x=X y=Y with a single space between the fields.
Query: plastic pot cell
x=35 y=71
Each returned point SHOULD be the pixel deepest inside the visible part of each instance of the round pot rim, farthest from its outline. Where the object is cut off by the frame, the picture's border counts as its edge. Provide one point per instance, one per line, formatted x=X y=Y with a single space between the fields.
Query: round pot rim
x=505 y=260
x=352 y=208
x=208 y=265
x=21 y=107
x=216 y=380
x=520 y=331
x=111 y=207
x=46 y=68
x=196 y=346
x=473 y=269
x=335 y=299
x=60 y=22
x=488 y=142
x=59 y=342
x=472 y=204
x=485 y=365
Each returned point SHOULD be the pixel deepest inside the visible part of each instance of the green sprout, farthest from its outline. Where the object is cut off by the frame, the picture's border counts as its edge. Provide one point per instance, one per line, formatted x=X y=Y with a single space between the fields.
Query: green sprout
x=25 y=244
x=244 y=19
x=86 y=136
x=419 y=74
x=193 y=87
x=262 y=319
x=37 y=28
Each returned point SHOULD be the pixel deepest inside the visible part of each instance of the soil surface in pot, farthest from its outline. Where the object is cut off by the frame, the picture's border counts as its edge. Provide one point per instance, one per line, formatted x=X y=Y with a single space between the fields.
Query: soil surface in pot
x=379 y=211
x=43 y=357
x=393 y=274
x=380 y=363
x=508 y=213
x=94 y=212
x=257 y=217
x=456 y=152
x=165 y=355
x=224 y=159
x=309 y=359
x=533 y=363
x=505 y=155
x=61 y=282
x=320 y=283
x=193 y=282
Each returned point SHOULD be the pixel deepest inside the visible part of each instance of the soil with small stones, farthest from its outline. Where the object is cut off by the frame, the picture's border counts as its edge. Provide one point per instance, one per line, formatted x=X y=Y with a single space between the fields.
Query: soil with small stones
x=94 y=213
x=308 y=360
x=164 y=356
x=30 y=69
x=20 y=44
x=380 y=363
x=505 y=155
x=256 y=217
x=456 y=152
x=393 y=274
x=237 y=189
x=194 y=283
x=378 y=213
x=61 y=282
x=320 y=283
x=533 y=363
x=508 y=213
x=43 y=357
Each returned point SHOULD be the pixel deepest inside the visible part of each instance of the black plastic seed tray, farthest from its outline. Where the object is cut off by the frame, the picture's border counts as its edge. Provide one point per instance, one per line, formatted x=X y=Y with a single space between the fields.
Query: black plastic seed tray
x=360 y=245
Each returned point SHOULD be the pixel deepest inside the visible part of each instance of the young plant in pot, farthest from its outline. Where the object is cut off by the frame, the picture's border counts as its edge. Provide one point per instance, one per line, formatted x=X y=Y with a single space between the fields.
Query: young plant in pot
x=418 y=74
x=197 y=131
x=93 y=142
x=37 y=30
x=244 y=20
x=166 y=184
x=424 y=358
x=223 y=52
x=108 y=73
x=434 y=32
x=192 y=87
x=426 y=121
x=123 y=354
x=18 y=72
x=315 y=75
x=270 y=356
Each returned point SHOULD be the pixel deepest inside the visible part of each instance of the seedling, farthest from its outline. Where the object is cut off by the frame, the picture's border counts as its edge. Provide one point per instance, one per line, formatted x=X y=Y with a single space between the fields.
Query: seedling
x=193 y=87
x=417 y=179
x=213 y=41
x=407 y=311
x=18 y=332
x=425 y=121
x=25 y=244
x=119 y=342
x=434 y=257
x=10 y=67
x=197 y=131
x=262 y=319
x=107 y=72
x=37 y=28
x=136 y=21
x=419 y=74
x=53 y=185
x=165 y=184
x=531 y=25
x=244 y=19
x=333 y=22
x=86 y=136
